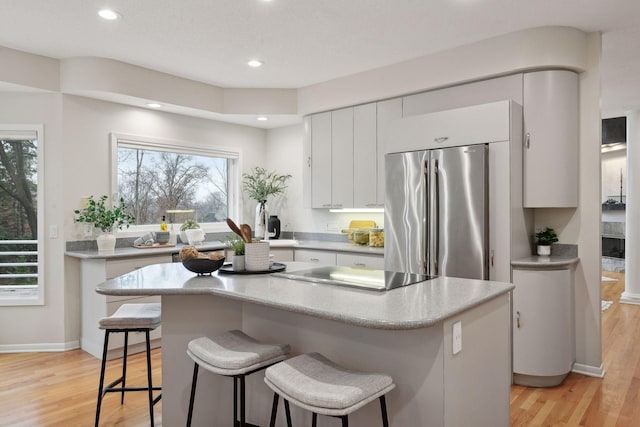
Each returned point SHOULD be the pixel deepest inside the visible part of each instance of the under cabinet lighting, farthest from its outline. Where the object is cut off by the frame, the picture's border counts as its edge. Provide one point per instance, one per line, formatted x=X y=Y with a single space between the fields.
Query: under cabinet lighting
x=254 y=63
x=154 y=105
x=108 y=14
x=263 y=118
x=358 y=210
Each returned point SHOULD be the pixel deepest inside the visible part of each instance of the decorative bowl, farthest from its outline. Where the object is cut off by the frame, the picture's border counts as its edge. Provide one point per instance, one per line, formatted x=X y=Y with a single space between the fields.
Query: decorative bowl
x=203 y=265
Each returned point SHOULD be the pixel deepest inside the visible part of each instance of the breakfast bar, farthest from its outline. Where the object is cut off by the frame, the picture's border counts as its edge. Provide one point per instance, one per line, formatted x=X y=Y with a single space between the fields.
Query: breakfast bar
x=407 y=332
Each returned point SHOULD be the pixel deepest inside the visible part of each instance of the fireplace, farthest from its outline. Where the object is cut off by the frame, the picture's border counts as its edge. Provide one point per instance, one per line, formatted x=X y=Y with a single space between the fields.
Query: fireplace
x=613 y=247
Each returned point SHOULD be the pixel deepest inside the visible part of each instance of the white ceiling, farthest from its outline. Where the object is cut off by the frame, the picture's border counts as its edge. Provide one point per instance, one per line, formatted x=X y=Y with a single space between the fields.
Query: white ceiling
x=303 y=42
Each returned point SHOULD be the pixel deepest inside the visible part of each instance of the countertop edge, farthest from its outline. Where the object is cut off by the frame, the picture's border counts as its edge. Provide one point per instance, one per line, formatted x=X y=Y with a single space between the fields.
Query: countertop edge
x=545 y=263
x=131 y=252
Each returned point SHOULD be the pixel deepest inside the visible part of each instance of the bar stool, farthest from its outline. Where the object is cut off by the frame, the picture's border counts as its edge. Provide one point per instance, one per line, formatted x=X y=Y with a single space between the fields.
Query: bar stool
x=129 y=318
x=232 y=354
x=313 y=382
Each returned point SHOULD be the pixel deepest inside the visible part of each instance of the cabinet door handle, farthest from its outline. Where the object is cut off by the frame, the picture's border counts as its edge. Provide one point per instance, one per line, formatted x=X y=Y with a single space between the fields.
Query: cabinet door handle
x=441 y=139
x=309 y=161
x=518 y=319
x=492 y=256
x=326 y=205
x=314 y=260
x=527 y=140
x=337 y=205
x=359 y=264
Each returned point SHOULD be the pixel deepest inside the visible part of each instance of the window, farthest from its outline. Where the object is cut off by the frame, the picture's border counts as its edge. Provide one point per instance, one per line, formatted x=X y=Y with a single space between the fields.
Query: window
x=176 y=181
x=21 y=216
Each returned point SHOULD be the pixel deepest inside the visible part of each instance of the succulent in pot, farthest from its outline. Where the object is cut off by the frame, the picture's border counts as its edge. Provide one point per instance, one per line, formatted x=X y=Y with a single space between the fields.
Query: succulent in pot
x=544 y=239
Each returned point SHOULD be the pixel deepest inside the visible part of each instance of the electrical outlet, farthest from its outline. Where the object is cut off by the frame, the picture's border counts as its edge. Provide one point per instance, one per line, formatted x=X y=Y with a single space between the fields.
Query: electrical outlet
x=53 y=231
x=87 y=230
x=457 y=337
x=332 y=226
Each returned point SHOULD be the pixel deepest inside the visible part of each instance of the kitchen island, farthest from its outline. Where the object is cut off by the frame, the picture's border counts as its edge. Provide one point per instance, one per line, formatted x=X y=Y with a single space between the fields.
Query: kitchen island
x=406 y=333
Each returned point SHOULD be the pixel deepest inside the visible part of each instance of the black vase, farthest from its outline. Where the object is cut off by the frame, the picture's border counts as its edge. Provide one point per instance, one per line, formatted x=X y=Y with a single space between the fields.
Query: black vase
x=273 y=227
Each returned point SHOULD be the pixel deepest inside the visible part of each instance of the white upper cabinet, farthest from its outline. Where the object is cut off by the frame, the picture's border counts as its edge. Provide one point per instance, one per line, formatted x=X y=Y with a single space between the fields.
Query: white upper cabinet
x=477 y=124
x=321 y=160
x=388 y=112
x=550 y=139
x=342 y=158
x=365 y=164
x=306 y=162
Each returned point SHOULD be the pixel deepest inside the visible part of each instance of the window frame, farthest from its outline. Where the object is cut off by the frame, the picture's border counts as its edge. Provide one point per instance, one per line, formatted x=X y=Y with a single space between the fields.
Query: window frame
x=39 y=298
x=171 y=146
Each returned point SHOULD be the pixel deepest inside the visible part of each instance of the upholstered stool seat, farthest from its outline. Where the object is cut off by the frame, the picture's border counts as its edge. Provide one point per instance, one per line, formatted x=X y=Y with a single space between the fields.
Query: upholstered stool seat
x=129 y=318
x=315 y=383
x=233 y=354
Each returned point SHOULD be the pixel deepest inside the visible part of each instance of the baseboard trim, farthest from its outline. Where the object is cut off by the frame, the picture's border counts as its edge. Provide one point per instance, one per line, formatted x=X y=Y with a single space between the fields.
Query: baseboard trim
x=630 y=298
x=39 y=347
x=588 y=370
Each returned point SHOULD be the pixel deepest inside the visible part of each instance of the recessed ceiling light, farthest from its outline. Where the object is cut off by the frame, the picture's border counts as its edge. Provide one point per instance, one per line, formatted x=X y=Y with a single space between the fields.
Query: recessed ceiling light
x=255 y=63
x=154 y=105
x=108 y=14
x=263 y=118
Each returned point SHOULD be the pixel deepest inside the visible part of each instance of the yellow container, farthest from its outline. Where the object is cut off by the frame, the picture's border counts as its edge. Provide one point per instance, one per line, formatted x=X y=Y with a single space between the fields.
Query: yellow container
x=376 y=237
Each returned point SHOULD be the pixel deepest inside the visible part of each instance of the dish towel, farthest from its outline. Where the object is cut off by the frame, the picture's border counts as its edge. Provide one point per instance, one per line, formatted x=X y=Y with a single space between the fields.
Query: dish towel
x=606 y=304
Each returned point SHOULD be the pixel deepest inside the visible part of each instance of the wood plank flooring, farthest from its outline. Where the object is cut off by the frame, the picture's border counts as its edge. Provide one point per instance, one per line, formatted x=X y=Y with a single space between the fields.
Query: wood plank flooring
x=59 y=389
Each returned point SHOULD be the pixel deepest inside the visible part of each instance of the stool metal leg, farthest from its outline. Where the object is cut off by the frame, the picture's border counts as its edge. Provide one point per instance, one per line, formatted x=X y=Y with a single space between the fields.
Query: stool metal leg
x=383 y=409
x=102 y=369
x=287 y=412
x=345 y=420
x=149 y=377
x=124 y=365
x=193 y=393
x=314 y=419
x=235 y=401
x=274 y=410
x=242 y=403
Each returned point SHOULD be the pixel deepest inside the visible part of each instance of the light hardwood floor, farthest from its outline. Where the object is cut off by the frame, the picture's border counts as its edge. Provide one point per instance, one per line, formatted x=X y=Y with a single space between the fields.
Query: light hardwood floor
x=59 y=389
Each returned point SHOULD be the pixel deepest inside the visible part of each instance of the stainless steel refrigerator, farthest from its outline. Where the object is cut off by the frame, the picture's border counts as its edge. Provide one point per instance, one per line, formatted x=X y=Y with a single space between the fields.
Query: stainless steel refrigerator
x=437 y=212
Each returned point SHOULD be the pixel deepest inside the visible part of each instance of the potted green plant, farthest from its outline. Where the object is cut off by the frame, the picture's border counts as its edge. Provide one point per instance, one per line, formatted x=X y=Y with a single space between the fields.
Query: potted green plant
x=100 y=216
x=544 y=239
x=259 y=185
x=236 y=244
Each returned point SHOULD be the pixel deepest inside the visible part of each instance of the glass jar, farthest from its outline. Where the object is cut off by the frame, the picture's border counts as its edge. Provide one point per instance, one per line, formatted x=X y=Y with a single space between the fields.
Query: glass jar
x=376 y=237
x=361 y=237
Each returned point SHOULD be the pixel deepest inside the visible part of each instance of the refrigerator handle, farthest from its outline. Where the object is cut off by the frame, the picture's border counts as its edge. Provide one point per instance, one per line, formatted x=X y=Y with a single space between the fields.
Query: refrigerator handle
x=426 y=263
x=436 y=255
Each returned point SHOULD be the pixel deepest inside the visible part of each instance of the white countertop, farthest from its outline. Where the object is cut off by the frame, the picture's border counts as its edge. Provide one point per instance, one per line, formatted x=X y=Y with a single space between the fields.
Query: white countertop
x=130 y=252
x=545 y=262
x=416 y=306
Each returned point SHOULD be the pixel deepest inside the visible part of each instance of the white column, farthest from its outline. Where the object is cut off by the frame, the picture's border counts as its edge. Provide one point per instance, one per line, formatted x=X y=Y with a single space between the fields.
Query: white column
x=631 y=294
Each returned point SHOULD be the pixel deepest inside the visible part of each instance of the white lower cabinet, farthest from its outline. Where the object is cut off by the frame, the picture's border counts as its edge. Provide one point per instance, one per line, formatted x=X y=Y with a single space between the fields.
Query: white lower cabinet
x=320 y=257
x=96 y=306
x=281 y=254
x=362 y=261
x=543 y=338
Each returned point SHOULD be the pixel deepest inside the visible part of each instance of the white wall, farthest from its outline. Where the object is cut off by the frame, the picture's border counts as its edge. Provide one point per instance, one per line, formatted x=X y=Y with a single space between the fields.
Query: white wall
x=43 y=326
x=88 y=124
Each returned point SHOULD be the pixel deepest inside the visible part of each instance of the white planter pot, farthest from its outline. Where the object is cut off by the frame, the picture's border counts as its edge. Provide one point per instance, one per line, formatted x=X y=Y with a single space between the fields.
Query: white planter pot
x=195 y=236
x=238 y=263
x=544 y=250
x=106 y=242
x=256 y=256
